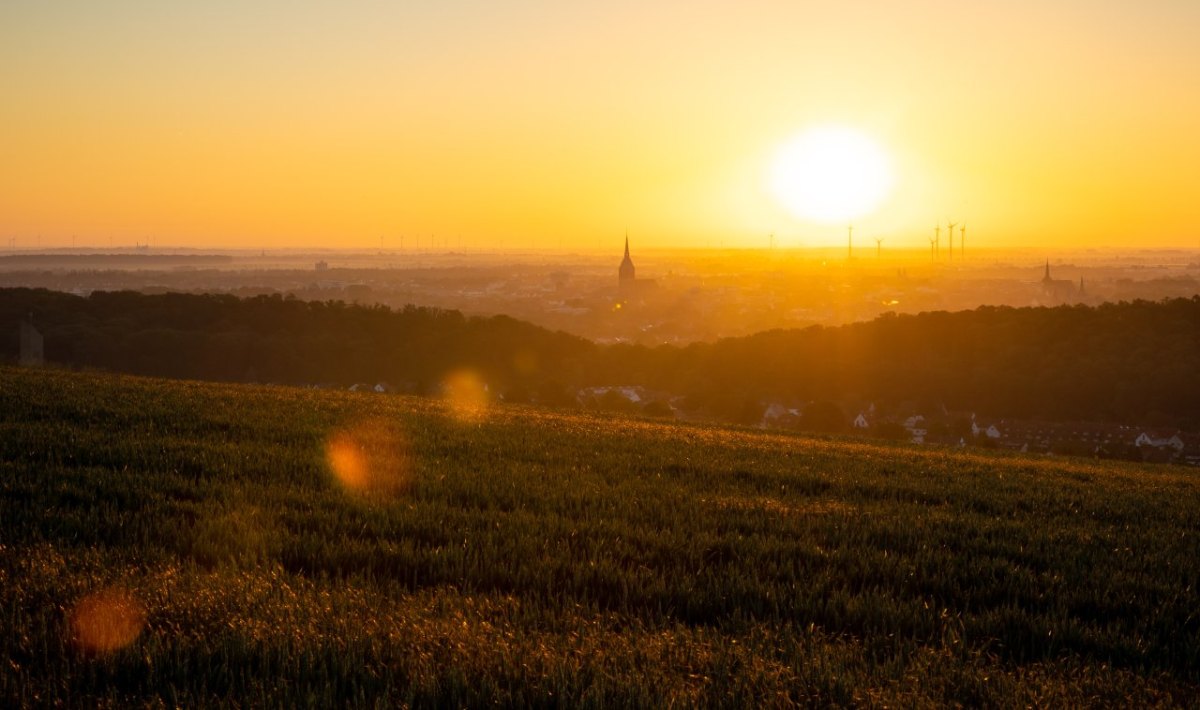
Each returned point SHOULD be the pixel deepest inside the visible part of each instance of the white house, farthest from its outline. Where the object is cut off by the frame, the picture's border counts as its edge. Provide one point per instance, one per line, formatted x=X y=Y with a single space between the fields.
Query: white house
x=1159 y=440
x=990 y=431
x=632 y=394
x=916 y=428
x=776 y=411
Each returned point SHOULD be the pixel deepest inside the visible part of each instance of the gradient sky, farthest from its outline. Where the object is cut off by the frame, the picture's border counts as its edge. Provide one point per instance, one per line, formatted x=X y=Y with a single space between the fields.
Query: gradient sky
x=521 y=123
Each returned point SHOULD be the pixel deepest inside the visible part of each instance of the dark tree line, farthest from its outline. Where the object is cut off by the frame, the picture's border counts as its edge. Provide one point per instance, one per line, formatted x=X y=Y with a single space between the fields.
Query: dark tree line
x=1125 y=362
x=286 y=341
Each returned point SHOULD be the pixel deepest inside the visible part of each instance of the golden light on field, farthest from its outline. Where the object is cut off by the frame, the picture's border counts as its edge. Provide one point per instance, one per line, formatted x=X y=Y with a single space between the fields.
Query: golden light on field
x=465 y=395
x=106 y=621
x=370 y=458
x=831 y=174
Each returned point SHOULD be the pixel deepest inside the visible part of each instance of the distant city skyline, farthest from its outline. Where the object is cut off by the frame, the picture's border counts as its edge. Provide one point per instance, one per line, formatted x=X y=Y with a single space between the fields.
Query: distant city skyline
x=495 y=125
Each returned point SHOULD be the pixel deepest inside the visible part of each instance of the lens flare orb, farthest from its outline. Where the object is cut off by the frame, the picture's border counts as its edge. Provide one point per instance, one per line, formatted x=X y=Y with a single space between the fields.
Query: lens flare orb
x=465 y=395
x=106 y=621
x=370 y=458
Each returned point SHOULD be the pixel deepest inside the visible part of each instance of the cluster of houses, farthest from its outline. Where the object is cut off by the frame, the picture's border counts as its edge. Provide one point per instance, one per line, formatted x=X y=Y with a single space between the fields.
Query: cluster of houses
x=1091 y=439
x=1100 y=440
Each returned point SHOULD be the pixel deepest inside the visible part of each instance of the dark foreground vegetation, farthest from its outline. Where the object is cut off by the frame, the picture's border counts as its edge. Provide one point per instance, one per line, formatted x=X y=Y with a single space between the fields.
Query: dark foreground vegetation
x=1132 y=363
x=183 y=543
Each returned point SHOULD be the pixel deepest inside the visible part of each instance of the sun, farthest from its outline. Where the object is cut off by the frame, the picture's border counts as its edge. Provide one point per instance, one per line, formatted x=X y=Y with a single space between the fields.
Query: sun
x=831 y=174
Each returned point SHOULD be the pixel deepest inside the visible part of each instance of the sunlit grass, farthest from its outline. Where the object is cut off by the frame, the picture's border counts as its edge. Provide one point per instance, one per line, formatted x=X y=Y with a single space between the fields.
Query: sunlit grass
x=184 y=541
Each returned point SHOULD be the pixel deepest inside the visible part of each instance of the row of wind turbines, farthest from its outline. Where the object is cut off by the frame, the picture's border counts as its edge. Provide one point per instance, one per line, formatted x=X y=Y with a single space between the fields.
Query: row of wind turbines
x=935 y=243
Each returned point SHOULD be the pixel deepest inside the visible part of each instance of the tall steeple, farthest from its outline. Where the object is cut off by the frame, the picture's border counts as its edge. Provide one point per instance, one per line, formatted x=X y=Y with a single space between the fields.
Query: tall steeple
x=626 y=271
x=1047 y=276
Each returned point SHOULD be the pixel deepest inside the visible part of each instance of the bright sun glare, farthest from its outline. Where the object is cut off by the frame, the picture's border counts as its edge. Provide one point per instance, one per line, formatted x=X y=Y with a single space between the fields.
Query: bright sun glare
x=831 y=174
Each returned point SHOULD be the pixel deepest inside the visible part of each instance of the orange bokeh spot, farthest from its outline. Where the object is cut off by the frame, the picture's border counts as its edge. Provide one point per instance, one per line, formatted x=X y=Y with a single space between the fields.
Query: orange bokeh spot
x=347 y=460
x=106 y=621
x=466 y=395
x=369 y=458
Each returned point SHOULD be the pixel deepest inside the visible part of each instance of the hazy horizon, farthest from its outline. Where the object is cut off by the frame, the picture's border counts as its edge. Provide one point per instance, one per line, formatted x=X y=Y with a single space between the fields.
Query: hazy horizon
x=863 y=251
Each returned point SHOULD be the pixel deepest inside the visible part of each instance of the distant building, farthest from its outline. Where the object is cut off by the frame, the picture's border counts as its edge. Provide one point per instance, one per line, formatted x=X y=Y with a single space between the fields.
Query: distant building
x=626 y=272
x=632 y=394
x=917 y=428
x=778 y=415
x=321 y=265
x=32 y=353
x=1159 y=440
x=626 y=275
x=980 y=428
x=1070 y=438
x=1058 y=290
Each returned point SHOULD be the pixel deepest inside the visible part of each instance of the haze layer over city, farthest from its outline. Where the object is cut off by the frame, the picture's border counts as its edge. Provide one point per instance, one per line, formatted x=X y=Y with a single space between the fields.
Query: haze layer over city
x=676 y=296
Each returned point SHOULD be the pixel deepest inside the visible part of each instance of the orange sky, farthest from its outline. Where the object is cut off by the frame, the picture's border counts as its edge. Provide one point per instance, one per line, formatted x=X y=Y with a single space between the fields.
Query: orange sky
x=270 y=124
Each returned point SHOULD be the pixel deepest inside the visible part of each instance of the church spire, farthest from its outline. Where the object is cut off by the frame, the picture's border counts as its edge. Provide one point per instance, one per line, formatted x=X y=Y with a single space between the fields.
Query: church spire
x=626 y=271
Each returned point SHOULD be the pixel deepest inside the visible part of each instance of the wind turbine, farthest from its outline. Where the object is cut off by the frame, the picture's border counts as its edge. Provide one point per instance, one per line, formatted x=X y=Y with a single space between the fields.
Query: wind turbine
x=950 y=232
x=878 y=247
x=932 y=243
x=962 y=241
x=937 y=238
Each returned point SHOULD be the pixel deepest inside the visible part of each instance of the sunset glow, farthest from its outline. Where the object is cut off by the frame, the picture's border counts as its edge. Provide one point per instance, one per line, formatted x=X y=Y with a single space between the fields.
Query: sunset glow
x=831 y=174
x=502 y=125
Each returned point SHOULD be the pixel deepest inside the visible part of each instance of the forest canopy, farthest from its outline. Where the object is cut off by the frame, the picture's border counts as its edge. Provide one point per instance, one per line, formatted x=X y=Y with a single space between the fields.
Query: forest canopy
x=1122 y=362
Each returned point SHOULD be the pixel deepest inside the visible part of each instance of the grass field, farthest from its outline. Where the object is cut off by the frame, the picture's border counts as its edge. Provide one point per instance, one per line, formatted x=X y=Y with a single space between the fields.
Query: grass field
x=182 y=543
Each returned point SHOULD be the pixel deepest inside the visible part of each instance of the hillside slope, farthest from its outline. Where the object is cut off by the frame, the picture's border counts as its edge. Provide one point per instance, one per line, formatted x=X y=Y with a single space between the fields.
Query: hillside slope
x=190 y=542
